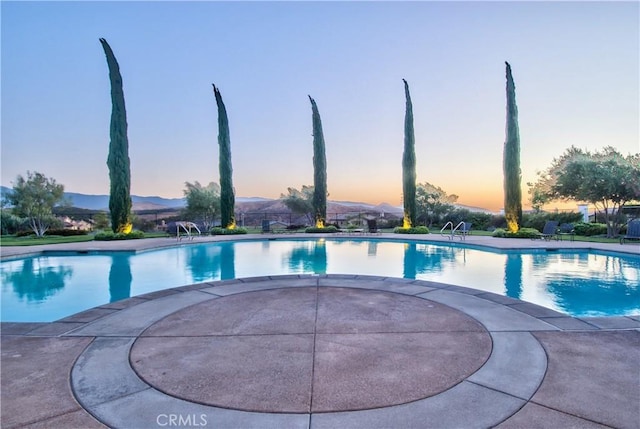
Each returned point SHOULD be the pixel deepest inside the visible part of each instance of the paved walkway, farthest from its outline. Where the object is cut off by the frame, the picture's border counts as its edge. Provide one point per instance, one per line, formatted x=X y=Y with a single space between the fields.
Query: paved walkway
x=326 y=351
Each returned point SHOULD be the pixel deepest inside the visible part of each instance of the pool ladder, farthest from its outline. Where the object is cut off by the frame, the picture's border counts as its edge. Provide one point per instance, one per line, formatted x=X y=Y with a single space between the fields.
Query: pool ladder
x=189 y=229
x=453 y=230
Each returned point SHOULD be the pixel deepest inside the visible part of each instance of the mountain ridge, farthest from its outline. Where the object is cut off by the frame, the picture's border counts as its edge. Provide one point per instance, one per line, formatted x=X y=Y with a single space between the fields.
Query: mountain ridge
x=101 y=202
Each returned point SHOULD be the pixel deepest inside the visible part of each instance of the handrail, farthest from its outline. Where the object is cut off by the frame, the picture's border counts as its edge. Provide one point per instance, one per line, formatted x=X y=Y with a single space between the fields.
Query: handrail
x=445 y=227
x=187 y=229
x=452 y=234
x=461 y=224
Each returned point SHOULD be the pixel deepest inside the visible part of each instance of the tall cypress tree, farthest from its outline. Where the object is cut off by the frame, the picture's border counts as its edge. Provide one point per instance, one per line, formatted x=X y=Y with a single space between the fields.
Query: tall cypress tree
x=319 y=168
x=511 y=160
x=227 y=197
x=118 y=159
x=409 y=163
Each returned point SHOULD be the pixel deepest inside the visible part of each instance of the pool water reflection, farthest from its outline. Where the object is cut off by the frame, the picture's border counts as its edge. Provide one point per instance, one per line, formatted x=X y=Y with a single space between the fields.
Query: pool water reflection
x=579 y=283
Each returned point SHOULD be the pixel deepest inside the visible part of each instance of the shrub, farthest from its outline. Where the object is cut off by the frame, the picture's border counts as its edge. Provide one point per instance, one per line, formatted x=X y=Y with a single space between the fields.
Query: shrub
x=412 y=230
x=330 y=229
x=537 y=220
x=589 y=229
x=143 y=224
x=522 y=233
x=109 y=236
x=480 y=221
x=25 y=233
x=66 y=232
x=389 y=223
x=227 y=231
x=9 y=223
x=497 y=221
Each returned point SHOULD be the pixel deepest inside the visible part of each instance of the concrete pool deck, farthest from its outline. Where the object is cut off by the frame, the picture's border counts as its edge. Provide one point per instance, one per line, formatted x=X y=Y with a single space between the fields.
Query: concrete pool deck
x=321 y=351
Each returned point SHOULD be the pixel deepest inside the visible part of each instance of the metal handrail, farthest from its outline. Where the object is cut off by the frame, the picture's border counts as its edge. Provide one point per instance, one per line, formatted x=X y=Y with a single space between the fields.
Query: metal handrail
x=187 y=229
x=445 y=227
x=453 y=230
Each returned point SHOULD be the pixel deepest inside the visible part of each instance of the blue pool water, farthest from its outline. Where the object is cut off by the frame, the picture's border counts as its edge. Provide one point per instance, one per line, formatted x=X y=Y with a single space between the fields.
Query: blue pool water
x=579 y=283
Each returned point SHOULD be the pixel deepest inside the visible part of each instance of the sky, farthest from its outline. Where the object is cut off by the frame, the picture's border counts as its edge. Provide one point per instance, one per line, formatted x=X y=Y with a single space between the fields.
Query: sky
x=575 y=67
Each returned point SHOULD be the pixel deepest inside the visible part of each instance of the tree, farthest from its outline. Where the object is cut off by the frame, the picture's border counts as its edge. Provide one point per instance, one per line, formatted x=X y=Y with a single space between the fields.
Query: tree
x=227 y=193
x=511 y=160
x=409 y=163
x=100 y=221
x=118 y=159
x=432 y=203
x=34 y=199
x=319 y=169
x=606 y=179
x=300 y=201
x=203 y=203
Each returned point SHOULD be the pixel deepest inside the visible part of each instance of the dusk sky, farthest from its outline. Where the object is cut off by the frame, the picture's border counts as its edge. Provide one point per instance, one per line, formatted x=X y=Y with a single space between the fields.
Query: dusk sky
x=575 y=65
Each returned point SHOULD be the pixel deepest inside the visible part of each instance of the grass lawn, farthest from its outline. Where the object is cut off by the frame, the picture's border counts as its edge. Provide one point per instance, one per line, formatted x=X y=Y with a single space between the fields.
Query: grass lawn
x=10 y=240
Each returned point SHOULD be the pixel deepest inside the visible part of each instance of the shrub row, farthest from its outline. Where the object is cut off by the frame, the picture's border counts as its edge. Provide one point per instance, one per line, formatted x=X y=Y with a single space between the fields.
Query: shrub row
x=110 y=235
x=522 y=233
x=226 y=231
x=327 y=229
x=412 y=230
x=59 y=232
x=589 y=229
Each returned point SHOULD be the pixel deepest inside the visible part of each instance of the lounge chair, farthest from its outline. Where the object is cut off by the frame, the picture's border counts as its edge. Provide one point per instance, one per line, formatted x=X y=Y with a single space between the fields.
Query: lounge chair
x=464 y=230
x=550 y=230
x=633 y=231
x=566 y=229
x=372 y=225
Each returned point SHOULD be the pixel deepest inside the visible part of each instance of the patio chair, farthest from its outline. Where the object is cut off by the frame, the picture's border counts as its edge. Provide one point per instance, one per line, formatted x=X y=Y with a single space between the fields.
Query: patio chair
x=266 y=226
x=633 y=231
x=372 y=225
x=566 y=229
x=550 y=230
x=464 y=230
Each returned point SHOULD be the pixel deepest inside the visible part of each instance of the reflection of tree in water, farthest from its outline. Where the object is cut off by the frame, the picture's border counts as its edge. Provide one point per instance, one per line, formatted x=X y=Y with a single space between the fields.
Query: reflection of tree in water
x=204 y=261
x=308 y=258
x=424 y=258
x=513 y=275
x=120 y=277
x=36 y=281
x=616 y=290
x=228 y=259
x=372 y=248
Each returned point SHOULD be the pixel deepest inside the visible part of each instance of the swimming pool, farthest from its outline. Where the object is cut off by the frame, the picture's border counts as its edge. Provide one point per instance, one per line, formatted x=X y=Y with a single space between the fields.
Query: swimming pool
x=576 y=282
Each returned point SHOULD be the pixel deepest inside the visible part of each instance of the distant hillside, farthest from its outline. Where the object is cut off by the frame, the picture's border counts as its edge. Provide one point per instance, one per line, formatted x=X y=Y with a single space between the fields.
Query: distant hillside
x=244 y=204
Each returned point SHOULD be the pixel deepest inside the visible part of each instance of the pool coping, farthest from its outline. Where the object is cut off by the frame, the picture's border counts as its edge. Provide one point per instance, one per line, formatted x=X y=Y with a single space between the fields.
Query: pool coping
x=491 y=243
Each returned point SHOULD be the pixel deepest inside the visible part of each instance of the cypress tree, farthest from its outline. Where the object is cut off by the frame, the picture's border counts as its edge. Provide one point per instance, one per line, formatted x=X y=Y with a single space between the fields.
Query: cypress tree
x=227 y=197
x=319 y=169
x=511 y=160
x=118 y=159
x=409 y=164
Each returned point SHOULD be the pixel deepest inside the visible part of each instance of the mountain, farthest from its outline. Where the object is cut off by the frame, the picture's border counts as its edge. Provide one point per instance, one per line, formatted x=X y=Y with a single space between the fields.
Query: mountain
x=101 y=202
x=244 y=204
